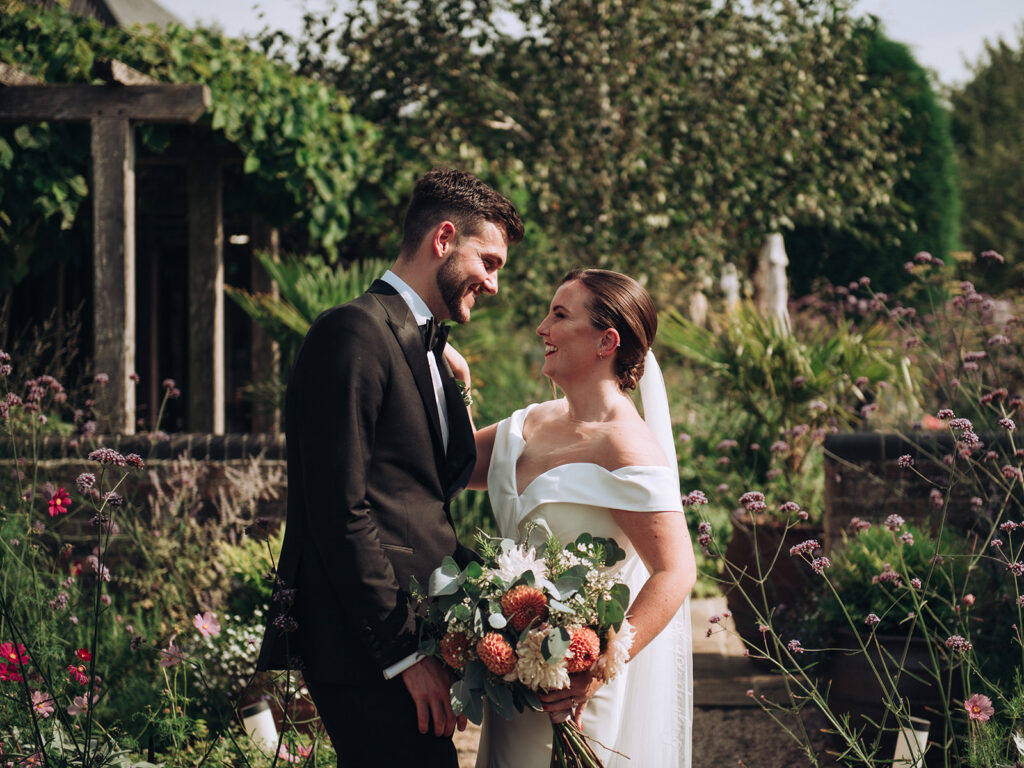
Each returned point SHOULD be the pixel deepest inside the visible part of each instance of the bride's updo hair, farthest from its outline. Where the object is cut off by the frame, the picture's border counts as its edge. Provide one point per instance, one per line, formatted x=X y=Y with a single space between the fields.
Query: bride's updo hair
x=620 y=302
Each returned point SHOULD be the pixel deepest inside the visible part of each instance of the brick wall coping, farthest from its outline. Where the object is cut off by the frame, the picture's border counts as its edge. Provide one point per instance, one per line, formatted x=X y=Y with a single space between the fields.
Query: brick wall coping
x=879 y=446
x=199 y=446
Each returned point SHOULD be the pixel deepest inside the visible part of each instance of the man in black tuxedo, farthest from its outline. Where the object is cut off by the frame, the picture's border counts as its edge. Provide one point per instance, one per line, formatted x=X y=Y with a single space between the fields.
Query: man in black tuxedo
x=379 y=442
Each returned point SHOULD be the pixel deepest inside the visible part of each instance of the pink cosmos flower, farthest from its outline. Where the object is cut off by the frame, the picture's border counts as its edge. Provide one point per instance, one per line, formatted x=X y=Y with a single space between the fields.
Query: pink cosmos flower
x=9 y=673
x=979 y=707
x=171 y=655
x=42 y=704
x=7 y=653
x=77 y=674
x=59 y=503
x=207 y=624
x=81 y=704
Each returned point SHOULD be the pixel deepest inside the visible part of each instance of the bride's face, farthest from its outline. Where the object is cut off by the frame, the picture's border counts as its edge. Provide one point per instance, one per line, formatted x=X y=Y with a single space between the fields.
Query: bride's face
x=571 y=342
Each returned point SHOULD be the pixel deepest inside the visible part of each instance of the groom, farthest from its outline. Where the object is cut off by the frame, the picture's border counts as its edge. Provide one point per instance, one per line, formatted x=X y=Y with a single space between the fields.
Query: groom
x=379 y=442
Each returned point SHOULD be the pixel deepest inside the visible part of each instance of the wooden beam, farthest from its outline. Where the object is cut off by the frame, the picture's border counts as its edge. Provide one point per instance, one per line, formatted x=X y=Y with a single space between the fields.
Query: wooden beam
x=113 y=193
x=266 y=353
x=78 y=103
x=12 y=76
x=117 y=72
x=206 y=377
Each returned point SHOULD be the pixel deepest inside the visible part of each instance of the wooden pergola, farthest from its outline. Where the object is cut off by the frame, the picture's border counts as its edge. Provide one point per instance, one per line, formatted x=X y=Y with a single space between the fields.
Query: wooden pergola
x=112 y=110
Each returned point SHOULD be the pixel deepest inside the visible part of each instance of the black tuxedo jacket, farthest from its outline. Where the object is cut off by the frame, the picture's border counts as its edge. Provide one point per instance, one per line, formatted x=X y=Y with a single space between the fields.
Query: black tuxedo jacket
x=369 y=487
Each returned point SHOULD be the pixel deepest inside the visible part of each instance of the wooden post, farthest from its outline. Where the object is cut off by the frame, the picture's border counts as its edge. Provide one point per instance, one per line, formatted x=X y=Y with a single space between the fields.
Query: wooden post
x=266 y=353
x=205 y=293
x=113 y=193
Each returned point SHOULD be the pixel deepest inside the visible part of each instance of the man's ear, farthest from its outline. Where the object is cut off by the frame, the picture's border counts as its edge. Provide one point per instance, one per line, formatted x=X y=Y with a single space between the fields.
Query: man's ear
x=444 y=240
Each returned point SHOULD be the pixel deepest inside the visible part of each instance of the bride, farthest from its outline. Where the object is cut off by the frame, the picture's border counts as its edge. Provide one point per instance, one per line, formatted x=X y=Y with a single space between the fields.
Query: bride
x=589 y=463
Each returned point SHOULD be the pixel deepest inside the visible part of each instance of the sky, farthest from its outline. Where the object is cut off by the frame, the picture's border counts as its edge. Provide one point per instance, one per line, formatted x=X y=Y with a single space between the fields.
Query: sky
x=942 y=34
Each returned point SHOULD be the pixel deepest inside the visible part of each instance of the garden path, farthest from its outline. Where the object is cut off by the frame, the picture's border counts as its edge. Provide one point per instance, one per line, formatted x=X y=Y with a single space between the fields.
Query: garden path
x=730 y=729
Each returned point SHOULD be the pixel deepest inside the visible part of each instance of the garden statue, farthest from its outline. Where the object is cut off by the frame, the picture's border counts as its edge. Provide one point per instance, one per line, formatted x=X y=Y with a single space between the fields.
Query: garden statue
x=730 y=285
x=770 y=279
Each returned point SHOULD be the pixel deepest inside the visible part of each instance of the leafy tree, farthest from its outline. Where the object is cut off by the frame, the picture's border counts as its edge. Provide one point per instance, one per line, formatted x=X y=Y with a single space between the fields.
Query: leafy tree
x=304 y=150
x=655 y=137
x=987 y=115
x=926 y=196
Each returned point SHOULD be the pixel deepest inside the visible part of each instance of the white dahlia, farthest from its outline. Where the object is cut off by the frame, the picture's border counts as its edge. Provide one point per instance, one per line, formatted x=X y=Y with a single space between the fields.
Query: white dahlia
x=533 y=669
x=518 y=560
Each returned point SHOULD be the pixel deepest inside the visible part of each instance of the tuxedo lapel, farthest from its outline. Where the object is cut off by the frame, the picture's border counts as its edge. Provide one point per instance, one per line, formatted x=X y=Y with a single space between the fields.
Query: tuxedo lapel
x=402 y=324
x=461 y=445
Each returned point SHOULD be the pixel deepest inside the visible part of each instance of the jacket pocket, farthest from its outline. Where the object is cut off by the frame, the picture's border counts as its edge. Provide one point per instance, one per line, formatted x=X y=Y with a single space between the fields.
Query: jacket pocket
x=398 y=548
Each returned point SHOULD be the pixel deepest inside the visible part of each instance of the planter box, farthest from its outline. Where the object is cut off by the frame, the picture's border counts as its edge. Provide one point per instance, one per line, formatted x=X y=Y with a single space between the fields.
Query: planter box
x=863 y=480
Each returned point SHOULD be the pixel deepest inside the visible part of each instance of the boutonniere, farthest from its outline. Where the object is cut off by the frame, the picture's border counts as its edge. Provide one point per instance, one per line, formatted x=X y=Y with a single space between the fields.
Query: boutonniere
x=465 y=391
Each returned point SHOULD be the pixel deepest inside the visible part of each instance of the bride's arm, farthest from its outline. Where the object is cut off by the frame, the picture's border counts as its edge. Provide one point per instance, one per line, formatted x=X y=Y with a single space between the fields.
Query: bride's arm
x=662 y=540
x=484 y=437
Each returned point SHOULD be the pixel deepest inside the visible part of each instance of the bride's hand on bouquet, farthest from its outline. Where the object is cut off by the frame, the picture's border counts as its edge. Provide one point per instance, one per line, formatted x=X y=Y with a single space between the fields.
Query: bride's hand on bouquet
x=459 y=366
x=571 y=701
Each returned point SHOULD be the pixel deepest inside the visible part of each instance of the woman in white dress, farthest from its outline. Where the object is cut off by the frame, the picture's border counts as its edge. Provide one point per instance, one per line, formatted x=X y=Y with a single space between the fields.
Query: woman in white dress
x=588 y=462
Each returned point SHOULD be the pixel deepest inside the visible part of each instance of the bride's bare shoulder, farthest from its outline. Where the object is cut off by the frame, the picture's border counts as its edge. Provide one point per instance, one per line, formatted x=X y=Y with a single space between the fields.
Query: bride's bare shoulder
x=542 y=414
x=630 y=443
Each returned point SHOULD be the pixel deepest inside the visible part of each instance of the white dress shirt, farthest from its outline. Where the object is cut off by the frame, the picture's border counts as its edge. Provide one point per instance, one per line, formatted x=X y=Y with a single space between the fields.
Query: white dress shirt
x=422 y=314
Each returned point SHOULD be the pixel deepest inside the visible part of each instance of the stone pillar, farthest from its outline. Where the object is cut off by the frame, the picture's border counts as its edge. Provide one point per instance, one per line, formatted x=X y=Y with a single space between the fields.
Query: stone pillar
x=206 y=377
x=113 y=193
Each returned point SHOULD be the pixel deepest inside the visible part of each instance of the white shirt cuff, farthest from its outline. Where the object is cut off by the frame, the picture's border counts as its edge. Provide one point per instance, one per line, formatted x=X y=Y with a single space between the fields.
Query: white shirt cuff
x=403 y=664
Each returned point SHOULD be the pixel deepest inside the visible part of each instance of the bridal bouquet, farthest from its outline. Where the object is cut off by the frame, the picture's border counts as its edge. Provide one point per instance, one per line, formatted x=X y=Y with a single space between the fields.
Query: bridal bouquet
x=518 y=624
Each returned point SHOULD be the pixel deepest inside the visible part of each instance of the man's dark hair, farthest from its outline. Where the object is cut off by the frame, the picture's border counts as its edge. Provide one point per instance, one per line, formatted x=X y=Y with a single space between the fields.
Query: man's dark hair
x=459 y=197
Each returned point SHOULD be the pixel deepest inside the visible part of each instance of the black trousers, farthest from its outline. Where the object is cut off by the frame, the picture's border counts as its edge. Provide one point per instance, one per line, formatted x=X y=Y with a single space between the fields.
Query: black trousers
x=374 y=726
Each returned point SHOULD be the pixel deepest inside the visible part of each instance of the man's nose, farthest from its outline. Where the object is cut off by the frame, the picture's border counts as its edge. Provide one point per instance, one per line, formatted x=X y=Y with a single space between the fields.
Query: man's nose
x=491 y=283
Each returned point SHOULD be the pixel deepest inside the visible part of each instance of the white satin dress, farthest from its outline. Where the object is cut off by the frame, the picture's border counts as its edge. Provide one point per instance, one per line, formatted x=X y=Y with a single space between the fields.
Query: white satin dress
x=645 y=713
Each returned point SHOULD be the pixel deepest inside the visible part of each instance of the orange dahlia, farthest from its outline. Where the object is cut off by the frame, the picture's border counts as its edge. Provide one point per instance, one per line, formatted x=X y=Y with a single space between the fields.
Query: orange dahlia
x=496 y=653
x=584 y=648
x=524 y=606
x=455 y=648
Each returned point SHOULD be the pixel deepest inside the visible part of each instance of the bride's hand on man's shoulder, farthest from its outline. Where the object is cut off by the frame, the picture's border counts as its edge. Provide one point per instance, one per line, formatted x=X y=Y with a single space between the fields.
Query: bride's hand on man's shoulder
x=458 y=363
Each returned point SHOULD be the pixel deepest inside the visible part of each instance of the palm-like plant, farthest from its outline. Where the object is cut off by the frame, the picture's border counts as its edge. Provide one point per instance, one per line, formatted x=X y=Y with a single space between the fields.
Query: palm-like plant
x=781 y=378
x=782 y=390
x=306 y=286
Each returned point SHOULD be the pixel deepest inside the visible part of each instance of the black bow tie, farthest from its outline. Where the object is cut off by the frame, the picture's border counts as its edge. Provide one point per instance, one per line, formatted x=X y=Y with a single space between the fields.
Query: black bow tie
x=435 y=335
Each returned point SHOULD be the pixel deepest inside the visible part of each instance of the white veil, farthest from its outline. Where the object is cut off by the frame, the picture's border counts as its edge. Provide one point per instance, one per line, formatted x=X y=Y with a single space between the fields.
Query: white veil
x=661 y=715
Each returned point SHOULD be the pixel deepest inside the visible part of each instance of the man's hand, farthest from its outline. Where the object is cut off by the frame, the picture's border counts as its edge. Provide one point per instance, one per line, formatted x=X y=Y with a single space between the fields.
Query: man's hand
x=428 y=684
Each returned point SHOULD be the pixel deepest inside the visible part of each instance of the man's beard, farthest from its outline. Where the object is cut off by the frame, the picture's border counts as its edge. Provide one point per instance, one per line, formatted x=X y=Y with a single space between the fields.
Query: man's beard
x=454 y=285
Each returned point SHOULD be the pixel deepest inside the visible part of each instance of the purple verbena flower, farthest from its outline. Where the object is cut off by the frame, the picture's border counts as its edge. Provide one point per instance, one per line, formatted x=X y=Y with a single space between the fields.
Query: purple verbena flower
x=804 y=547
x=958 y=643
x=108 y=456
x=820 y=564
x=894 y=522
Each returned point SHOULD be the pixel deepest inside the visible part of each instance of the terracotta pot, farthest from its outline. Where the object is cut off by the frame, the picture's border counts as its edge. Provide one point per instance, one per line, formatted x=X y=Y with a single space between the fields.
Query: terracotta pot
x=762 y=547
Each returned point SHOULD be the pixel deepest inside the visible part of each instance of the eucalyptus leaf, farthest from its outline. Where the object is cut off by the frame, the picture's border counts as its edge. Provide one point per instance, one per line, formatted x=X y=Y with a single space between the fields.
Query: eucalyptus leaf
x=555 y=645
x=445 y=579
x=500 y=697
